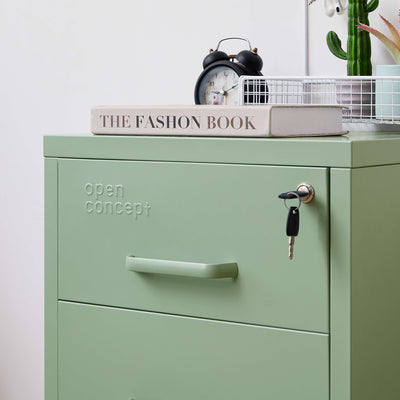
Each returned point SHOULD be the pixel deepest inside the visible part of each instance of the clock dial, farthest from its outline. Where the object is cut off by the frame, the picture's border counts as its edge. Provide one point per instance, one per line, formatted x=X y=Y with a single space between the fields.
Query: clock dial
x=219 y=86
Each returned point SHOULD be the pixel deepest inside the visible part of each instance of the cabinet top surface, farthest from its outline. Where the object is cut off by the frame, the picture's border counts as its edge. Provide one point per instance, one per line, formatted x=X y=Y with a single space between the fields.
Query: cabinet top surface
x=356 y=149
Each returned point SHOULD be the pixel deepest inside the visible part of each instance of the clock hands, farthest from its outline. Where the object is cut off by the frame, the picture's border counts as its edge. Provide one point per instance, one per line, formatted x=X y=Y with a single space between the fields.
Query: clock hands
x=219 y=92
x=233 y=87
x=224 y=92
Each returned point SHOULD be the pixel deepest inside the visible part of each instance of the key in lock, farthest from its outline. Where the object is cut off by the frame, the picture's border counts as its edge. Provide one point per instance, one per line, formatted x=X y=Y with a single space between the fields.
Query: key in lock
x=304 y=194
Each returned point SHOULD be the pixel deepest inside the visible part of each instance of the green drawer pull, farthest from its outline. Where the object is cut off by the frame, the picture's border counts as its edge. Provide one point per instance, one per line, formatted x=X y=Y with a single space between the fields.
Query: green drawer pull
x=194 y=270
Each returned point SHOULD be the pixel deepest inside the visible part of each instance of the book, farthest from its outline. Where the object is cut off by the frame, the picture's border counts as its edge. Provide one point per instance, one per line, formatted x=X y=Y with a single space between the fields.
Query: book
x=208 y=120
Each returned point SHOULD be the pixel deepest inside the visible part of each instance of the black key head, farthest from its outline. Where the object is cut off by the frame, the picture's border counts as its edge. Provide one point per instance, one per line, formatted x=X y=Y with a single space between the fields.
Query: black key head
x=293 y=222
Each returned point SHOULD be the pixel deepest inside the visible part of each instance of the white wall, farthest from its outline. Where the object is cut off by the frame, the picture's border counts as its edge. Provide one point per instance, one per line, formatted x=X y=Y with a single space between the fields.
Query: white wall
x=61 y=57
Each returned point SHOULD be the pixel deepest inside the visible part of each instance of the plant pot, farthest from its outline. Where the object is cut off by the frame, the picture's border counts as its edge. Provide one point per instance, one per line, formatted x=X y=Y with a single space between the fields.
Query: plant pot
x=388 y=92
x=358 y=96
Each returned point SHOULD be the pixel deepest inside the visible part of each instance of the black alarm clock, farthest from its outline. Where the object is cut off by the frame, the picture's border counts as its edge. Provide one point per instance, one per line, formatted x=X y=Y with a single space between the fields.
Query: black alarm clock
x=218 y=83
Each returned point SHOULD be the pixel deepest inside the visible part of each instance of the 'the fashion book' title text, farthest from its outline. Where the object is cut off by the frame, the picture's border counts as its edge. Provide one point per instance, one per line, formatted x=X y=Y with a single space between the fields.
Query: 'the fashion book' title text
x=222 y=122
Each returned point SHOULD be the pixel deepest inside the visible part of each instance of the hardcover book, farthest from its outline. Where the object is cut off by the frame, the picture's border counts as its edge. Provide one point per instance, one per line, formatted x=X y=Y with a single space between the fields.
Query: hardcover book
x=205 y=120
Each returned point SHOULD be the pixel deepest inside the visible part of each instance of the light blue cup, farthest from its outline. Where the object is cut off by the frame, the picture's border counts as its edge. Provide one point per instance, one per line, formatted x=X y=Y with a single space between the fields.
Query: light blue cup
x=387 y=92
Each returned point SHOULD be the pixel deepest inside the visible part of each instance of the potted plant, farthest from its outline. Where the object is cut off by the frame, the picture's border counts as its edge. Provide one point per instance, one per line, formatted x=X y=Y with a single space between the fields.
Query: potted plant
x=357 y=93
x=387 y=90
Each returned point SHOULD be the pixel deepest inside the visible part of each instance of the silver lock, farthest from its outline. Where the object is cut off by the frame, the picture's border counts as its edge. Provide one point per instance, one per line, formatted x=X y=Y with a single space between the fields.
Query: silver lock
x=306 y=192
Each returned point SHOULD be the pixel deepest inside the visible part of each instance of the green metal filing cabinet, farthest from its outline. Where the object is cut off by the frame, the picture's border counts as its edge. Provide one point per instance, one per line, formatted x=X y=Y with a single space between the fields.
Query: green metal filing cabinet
x=167 y=275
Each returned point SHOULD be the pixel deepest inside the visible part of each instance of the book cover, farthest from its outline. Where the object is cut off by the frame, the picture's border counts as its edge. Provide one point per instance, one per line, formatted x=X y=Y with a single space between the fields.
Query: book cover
x=205 y=120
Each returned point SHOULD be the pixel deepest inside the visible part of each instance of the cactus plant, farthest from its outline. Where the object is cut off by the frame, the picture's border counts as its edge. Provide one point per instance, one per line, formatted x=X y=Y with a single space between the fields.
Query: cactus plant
x=358 y=53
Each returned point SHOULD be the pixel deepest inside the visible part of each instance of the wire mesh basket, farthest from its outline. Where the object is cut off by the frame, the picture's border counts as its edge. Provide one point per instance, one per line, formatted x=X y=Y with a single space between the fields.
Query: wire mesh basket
x=366 y=99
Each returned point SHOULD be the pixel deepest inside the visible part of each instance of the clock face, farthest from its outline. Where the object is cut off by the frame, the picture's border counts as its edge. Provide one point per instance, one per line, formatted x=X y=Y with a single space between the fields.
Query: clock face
x=219 y=86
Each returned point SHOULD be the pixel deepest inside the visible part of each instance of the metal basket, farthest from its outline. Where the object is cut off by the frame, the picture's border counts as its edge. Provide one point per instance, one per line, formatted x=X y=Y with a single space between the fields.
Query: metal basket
x=367 y=99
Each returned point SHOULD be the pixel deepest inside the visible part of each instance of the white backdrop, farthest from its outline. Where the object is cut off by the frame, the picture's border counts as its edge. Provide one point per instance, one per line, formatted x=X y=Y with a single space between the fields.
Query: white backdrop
x=61 y=57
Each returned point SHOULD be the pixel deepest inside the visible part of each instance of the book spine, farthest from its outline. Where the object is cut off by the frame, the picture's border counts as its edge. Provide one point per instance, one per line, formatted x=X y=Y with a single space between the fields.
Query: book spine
x=196 y=121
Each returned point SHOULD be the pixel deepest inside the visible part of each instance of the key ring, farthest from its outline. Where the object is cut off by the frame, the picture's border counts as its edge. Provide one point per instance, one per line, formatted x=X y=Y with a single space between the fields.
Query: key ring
x=298 y=198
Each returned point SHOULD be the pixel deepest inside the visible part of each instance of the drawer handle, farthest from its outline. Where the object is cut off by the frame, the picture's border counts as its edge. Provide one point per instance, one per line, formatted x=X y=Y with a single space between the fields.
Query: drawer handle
x=180 y=268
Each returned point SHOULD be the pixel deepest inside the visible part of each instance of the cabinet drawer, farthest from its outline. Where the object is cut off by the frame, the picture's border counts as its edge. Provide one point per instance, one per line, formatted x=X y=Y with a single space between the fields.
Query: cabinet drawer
x=195 y=213
x=109 y=353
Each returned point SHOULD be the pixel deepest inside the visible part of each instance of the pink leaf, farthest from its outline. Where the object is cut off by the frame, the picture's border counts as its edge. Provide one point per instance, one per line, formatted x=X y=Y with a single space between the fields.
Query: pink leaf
x=393 y=31
x=390 y=45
